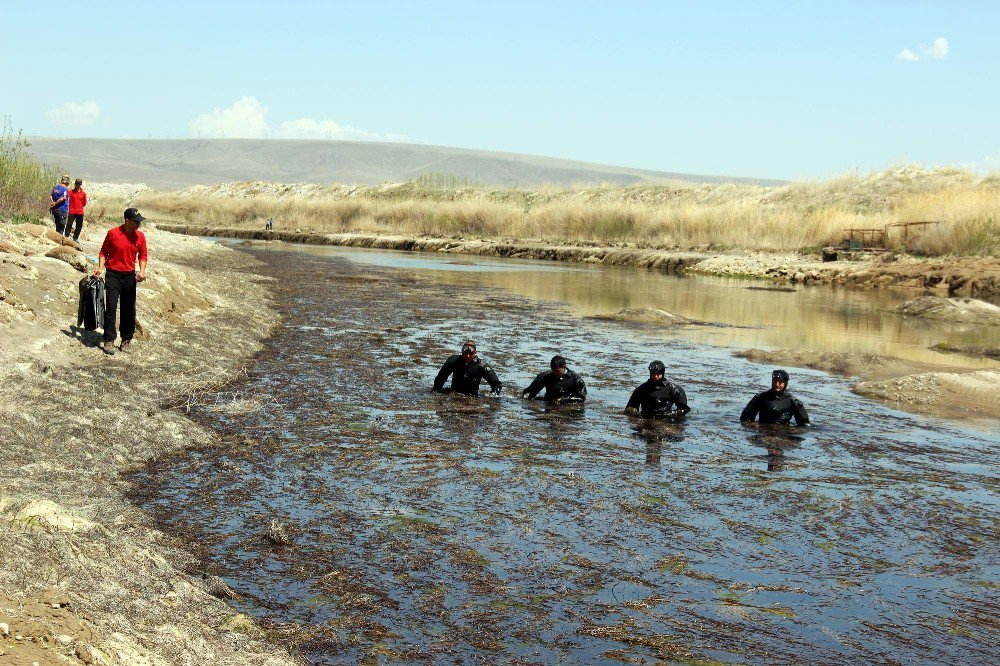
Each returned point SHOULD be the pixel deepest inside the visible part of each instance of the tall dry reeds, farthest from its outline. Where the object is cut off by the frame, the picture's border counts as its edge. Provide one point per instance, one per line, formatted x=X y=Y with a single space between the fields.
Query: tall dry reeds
x=24 y=183
x=793 y=217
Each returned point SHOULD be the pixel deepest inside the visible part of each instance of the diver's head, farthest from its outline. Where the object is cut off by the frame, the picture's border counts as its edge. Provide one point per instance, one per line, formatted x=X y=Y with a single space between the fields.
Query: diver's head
x=779 y=381
x=469 y=350
x=558 y=365
x=656 y=370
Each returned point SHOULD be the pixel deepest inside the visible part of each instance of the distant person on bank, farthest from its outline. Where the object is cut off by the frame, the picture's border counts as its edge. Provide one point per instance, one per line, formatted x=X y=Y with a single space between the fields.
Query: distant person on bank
x=60 y=203
x=77 y=200
x=122 y=246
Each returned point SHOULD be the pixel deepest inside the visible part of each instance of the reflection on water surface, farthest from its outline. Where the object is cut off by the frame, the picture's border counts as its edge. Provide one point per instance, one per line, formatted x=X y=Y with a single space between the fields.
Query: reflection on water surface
x=437 y=528
x=818 y=317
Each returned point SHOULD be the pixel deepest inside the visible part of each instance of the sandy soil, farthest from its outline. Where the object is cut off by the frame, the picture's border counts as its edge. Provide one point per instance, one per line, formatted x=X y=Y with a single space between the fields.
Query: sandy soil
x=907 y=385
x=977 y=277
x=85 y=577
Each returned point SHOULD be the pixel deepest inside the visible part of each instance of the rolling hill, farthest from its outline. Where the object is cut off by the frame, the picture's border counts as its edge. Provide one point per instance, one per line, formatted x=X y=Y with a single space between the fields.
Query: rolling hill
x=169 y=164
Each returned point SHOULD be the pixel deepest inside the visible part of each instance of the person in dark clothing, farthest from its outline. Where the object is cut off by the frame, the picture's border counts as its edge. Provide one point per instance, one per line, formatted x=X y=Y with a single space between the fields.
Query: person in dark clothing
x=776 y=405
x=60 y=203
x=467 y=370
x=560 y=383
x=656 y=397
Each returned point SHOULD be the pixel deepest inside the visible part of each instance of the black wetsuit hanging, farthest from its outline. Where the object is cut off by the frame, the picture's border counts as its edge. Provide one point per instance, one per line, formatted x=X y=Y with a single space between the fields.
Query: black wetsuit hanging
x=568 y=387
x=774 y=407
x=466 y=375
x=657 y=398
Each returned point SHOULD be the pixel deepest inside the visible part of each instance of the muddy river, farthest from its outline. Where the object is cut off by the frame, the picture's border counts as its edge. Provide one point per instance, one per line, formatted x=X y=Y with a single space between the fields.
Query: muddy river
x=435 y=528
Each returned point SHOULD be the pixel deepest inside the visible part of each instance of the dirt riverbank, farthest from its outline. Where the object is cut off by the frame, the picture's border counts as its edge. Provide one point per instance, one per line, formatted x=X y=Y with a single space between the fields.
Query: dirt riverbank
x=85 y=577
x=978 y=277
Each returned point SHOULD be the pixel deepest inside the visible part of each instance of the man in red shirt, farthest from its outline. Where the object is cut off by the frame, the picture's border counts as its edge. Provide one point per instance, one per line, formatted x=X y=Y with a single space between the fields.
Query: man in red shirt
x=118 y=254
x=77 y=200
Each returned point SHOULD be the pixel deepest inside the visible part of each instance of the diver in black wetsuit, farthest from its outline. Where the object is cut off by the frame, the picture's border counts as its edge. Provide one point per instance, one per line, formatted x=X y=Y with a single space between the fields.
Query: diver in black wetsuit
x=561 y=384
x=467 y=371
x=776 y=405
x=656 y=397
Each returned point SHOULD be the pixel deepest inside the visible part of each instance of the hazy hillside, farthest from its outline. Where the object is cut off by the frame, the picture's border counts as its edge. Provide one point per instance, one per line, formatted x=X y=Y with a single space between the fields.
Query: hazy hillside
x=166 y=164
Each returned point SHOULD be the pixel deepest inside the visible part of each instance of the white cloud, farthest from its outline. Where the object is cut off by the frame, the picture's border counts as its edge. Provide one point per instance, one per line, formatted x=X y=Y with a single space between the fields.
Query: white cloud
x=243 y=120
x=308 y=128
x=75 y=114
x=246 y=119
x=937 y=51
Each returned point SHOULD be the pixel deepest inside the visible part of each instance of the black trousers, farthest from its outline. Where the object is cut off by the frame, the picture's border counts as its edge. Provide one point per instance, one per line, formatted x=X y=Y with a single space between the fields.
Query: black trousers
x=74 y=219
x=119 y=286
x=59 y=216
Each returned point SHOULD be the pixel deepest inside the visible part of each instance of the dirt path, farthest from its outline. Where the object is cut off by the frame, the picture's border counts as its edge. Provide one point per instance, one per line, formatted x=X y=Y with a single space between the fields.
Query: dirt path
x=958 y=276
x=85 y=577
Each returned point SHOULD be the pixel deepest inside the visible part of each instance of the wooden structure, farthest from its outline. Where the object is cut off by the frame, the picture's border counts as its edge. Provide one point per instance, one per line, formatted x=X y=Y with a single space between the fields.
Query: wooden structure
x=864 y=240
x=906 y=226
x=873 y=239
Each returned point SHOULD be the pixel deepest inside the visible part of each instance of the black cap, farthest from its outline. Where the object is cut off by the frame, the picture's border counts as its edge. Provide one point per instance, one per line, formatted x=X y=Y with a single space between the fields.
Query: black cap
x=133 y=215
x=557 y=362
x=657 y=366
x=780 y=375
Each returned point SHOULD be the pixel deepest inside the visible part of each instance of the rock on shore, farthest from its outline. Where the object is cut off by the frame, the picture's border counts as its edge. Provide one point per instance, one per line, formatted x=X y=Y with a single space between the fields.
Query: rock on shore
x=653 y=316
x=959 y=310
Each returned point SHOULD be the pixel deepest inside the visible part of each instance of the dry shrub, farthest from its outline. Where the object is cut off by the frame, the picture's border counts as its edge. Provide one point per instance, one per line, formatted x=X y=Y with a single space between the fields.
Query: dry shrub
x=969 y=216
x=724 y=216
x=24 y=183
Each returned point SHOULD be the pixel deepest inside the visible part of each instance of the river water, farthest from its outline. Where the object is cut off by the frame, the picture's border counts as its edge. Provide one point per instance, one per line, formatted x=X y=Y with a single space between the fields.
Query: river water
x=429 y=528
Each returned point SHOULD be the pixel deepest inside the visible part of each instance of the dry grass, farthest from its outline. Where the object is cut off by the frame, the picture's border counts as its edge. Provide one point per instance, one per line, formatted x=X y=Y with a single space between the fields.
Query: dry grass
x=24 y=183
x=793 y=217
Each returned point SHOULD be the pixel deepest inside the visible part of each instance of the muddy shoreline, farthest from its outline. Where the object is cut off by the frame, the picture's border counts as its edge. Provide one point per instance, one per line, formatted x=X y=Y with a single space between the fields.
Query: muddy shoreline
x=978 y=277
x=86 y=577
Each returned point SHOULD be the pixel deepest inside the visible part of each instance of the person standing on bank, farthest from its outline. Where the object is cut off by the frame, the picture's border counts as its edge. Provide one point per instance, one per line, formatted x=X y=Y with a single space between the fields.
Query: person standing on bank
x=60 y=204
x=77 y=200
x=118 y=254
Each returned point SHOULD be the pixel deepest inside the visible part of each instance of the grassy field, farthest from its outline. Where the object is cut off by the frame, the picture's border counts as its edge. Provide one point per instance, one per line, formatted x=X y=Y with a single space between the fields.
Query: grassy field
x=798 y=216
x=24 y=183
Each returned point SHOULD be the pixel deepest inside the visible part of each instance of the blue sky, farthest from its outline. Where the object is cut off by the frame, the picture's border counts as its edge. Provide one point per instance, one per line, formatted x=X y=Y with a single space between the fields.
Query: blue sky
x=767 y=89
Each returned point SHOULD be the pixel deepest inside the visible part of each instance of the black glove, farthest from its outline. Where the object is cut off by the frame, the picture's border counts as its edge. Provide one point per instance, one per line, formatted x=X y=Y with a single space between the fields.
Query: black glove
x=498 y=390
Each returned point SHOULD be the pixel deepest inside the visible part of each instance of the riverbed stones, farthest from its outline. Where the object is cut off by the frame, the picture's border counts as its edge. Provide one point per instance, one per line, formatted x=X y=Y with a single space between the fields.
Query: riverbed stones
x=48 y=515
x=647 y=316
x=959 y=310
x=71 y=256
x=90 y=655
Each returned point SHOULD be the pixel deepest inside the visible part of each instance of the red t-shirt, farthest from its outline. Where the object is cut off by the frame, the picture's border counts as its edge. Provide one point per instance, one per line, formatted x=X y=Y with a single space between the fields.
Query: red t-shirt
x=120 y=249
x=77 y=200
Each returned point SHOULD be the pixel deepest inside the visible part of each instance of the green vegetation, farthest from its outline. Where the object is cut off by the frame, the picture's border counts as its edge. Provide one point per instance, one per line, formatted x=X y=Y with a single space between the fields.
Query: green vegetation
x=24 y=183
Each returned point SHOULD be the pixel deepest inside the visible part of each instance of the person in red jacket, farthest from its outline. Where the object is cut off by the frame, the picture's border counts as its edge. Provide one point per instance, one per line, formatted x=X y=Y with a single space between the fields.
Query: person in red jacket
x=118 y=254
x=77 y=200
